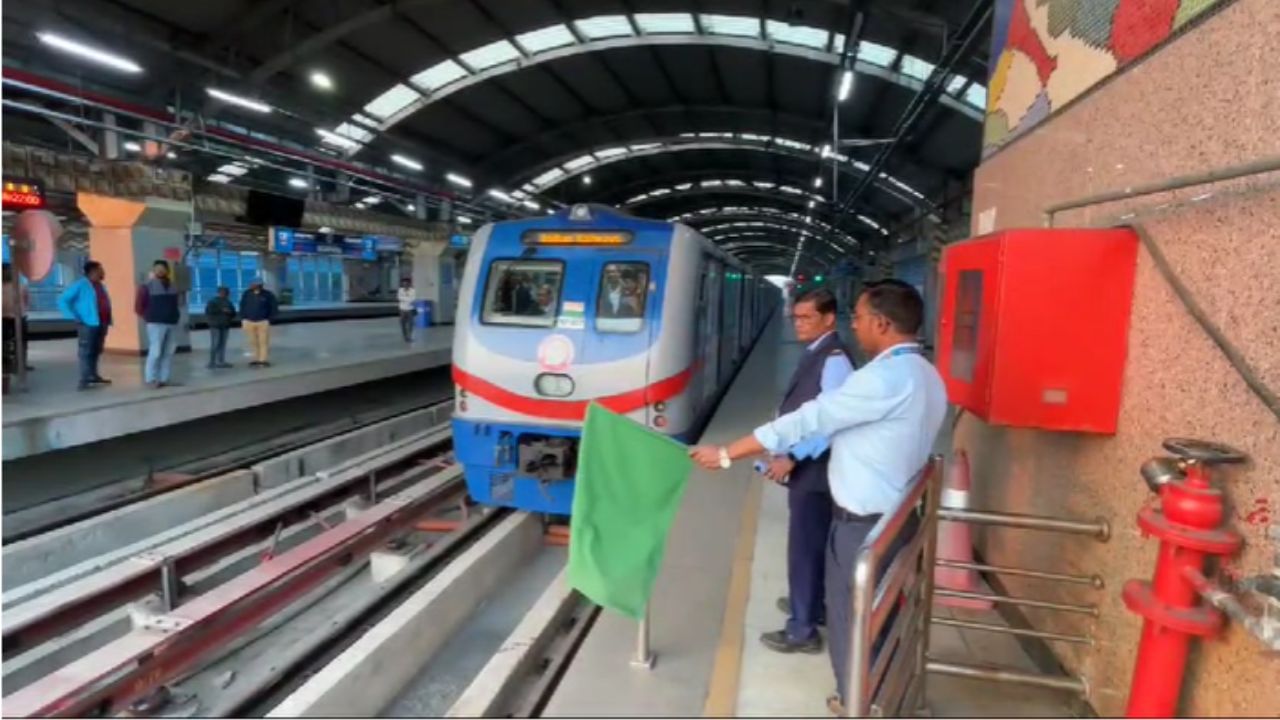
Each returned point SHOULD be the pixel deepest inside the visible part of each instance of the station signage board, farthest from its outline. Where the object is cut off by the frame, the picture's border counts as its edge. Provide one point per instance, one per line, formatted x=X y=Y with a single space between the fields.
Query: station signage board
x=22 y=194
x=288 y=241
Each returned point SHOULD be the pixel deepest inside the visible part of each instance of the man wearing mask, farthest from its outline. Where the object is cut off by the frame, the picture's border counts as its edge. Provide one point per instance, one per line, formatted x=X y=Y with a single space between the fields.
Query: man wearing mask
x=823 y=368
x=257 y=308
x=86 y=302
x=158 y=306
x=882 y=423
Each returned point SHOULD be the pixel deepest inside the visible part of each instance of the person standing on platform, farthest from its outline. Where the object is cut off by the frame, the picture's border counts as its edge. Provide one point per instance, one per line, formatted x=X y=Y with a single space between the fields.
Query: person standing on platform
x=16 y=295
x=157 y=304
x=87 y=303
x=882 y=423
x=257 y=310
x=219 y=313
x=823 y=368
x=405 y=295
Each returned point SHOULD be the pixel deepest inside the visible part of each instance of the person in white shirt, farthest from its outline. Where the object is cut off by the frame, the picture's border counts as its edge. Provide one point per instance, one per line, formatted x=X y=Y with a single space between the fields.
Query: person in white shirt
x=405 y=295
x=882 y=423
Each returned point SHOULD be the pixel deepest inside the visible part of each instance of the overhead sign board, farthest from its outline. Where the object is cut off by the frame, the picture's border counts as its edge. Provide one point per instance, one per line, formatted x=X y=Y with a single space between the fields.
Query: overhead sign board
x=288 y=241
x=23 y=195
x=576 y=237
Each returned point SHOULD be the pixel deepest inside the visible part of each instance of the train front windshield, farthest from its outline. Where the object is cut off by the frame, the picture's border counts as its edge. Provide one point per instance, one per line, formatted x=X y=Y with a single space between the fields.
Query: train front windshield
x=523 y=292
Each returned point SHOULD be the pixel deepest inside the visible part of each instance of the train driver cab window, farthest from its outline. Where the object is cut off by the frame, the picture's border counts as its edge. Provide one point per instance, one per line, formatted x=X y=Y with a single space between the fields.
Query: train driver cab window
x=523 y=292
x=624 y=290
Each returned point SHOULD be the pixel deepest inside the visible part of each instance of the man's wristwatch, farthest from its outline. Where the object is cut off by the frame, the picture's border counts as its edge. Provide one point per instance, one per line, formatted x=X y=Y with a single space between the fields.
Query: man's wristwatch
x=725 y=462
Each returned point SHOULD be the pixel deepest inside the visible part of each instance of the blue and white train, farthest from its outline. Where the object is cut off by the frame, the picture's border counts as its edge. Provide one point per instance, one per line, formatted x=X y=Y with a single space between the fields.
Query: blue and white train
x=647 y=318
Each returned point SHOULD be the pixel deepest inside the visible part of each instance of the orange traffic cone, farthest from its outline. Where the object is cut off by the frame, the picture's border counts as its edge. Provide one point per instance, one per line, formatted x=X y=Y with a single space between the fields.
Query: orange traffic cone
x=955 y=541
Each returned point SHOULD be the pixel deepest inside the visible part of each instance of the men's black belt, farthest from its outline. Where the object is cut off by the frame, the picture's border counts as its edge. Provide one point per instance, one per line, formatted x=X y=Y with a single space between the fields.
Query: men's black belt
x=839 y=513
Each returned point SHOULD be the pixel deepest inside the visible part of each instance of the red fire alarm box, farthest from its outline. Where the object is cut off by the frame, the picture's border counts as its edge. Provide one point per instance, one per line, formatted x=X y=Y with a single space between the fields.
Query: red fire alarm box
x=1034 y=326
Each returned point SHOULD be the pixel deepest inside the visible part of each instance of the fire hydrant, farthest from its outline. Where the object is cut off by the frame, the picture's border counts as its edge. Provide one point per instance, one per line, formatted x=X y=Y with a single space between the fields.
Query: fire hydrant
x=1188 y=522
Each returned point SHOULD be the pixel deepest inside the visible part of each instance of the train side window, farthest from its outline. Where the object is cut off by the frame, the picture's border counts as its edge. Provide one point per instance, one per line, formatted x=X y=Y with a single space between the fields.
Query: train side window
x=624 y=292
x=523 y=292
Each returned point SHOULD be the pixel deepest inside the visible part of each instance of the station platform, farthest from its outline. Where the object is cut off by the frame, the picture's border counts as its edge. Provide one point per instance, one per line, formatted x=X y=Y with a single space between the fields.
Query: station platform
x=306 y=358
x=51 y=324
x=724 y=569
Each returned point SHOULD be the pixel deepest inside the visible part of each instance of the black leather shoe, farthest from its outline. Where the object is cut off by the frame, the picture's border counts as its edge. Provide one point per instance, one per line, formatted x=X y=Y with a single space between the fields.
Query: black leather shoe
x=779 y=642
x=784 y=604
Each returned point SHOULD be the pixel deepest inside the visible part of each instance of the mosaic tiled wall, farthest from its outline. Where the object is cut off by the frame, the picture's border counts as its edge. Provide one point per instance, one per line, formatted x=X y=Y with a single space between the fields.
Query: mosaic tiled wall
x=1048 y=52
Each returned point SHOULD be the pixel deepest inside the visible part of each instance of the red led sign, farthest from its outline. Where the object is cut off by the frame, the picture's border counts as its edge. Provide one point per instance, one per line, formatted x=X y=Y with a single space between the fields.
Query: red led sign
x=23 y=195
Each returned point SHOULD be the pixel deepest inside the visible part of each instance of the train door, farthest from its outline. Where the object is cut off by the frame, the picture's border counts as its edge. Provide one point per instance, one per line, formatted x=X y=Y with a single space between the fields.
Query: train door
x=709 y=342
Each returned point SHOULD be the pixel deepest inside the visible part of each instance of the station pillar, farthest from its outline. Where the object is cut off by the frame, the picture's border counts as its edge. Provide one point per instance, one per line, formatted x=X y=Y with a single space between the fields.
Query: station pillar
x=435 y=277
x=127 y=237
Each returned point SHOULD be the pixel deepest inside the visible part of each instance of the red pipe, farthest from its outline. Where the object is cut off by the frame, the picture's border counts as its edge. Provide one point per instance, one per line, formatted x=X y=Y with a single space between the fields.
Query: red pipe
x=45 y=83
x=1188 y=524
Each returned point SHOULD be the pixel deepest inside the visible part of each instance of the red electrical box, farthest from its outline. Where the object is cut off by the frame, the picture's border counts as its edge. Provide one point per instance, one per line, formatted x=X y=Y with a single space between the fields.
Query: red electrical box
x=1034 y=326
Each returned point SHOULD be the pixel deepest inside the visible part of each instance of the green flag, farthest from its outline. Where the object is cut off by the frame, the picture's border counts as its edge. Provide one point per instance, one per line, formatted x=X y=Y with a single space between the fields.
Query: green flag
x=628 y=487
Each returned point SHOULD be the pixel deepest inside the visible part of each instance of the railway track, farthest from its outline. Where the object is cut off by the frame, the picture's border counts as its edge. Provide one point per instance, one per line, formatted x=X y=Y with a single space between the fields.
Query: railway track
x=243 y=611
x=49 y=516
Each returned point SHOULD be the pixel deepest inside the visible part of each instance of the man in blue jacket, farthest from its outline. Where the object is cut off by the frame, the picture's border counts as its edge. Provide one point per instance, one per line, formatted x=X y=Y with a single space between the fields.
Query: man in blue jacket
x=257 y=308
x=86 y=302
x=158 y=305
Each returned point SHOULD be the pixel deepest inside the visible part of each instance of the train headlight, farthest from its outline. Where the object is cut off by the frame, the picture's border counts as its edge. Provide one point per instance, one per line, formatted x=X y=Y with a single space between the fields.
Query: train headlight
x=553 y=385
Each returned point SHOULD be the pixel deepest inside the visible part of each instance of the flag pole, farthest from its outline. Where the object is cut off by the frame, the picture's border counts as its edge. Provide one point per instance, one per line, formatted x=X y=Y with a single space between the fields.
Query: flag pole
x=644 y=658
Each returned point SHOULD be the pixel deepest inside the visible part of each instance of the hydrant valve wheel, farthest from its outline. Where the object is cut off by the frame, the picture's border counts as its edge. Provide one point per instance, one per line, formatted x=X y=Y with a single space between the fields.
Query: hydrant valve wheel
x=1204 y=451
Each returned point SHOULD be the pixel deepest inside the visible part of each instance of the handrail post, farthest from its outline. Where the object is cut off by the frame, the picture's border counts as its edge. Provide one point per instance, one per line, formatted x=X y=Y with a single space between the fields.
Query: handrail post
x=856 y=703
x=929 y=525
x=644 y=657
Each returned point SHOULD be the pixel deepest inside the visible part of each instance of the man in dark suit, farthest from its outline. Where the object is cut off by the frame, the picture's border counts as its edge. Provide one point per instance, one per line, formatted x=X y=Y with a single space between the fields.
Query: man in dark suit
x=824 y=366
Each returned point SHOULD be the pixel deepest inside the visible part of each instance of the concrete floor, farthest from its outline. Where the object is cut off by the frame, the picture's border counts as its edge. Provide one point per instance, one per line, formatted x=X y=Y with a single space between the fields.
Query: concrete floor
x=443 y=679
x=53 y=414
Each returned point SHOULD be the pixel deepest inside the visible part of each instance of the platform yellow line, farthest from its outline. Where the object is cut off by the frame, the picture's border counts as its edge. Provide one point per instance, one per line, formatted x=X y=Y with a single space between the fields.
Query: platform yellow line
x=722 y=693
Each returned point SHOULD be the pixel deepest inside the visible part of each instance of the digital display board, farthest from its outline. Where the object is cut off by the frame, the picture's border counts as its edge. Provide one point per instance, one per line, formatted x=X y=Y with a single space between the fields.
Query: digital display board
x=576 y=237
x=23 y=195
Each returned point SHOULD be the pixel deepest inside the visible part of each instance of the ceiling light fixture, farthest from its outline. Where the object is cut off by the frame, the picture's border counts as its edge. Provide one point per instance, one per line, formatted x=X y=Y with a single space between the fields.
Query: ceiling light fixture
x=457 y=179
x=586 y=179
x=132 y=146
x=171 y=155
x=299 y=182
x=321 y=80
x=234 y=99
x=531 y=204
x=846 y=86
x=407 y=162
x=817 y=182
x=102 y=57
x=464 y=219
x=334 y=138
x=501 y=195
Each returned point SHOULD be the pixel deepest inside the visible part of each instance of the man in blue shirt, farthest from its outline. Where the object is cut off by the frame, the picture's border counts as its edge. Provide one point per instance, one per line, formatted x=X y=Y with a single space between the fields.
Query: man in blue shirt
x=823 y=368
x=86 y=301
x=882 y=423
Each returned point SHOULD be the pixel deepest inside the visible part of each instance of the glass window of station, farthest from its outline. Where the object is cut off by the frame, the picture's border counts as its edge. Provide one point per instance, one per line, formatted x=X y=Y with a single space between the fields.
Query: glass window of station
x=212 y=268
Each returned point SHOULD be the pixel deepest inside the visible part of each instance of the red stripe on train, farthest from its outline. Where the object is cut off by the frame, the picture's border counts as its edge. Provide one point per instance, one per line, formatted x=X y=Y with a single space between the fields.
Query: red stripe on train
x=571 y=409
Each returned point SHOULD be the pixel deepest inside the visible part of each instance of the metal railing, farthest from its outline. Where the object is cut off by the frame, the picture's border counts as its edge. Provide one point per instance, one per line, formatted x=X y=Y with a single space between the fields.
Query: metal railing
x=891 y=681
